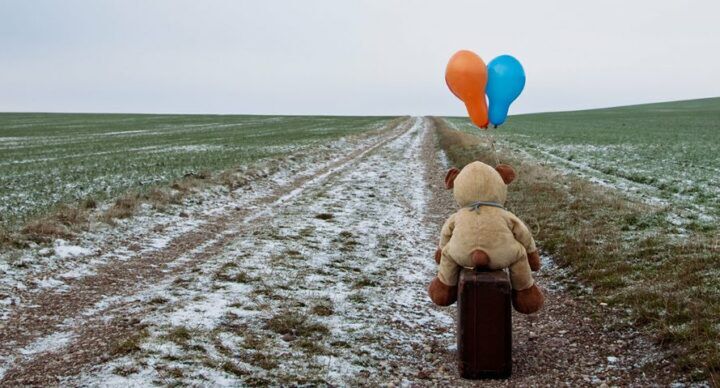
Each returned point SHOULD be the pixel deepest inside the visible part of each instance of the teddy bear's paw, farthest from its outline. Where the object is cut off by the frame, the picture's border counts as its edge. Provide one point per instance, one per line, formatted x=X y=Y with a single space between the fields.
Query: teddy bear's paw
x=438 y=255
x=534 y=260
x=479 y=259
x=529 y=300
x=441 y=294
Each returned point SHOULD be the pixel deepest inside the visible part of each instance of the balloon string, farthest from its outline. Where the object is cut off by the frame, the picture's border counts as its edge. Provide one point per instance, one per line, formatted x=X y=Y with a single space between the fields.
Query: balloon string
x=492 y=145
x=491 y=138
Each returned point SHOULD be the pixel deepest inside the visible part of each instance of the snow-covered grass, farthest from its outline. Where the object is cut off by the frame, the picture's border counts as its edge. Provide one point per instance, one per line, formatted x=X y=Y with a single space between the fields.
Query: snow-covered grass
x=50 y=266
x=326 y=287
x=48 y=159
x=629 y=246
x=664 y=154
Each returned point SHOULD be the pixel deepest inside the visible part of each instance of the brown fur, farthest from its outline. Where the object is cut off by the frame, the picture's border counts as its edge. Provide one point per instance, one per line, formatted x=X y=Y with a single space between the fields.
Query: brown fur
x=480 y=259
x=529 y=300
x=479 y=182
x=438 y=255
x=487 y=237
x=441 y=294
x=450 y=177
x=534 y=261
x=506 y=172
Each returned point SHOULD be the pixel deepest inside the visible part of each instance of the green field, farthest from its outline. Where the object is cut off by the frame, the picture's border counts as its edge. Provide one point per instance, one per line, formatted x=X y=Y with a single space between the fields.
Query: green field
x=48 y=159
x=642 y=238
x=666 y=153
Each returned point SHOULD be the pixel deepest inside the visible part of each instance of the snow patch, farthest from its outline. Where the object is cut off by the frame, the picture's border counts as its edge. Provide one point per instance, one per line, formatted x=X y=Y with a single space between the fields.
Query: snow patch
x=64 y=251
x=50 y=343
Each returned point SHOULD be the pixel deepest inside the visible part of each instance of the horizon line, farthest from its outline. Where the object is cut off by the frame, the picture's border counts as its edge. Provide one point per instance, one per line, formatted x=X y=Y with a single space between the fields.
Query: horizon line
x=341 y=115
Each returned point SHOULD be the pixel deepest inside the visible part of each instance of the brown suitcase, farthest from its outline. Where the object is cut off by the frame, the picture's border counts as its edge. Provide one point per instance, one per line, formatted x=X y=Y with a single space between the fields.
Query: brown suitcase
x=484 y=326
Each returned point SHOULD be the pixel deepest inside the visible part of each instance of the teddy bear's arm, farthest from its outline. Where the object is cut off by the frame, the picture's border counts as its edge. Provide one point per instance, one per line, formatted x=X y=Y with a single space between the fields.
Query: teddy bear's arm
x=445 y=235
x=522 y=233
x=447 y=231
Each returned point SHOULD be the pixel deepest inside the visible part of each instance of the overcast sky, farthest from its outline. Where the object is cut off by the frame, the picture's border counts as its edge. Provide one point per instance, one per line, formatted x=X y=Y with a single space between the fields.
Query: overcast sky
x=343 y=57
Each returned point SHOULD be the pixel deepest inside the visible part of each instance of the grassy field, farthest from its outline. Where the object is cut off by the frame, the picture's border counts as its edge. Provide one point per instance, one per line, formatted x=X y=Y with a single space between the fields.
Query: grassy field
x=49 y=159
x=666 y=153
x=627 y=199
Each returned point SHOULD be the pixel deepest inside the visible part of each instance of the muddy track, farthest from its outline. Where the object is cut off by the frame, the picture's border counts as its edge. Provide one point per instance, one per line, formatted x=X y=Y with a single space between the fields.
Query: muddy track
x=113 y=244
x=46 y=313
x=345 y=254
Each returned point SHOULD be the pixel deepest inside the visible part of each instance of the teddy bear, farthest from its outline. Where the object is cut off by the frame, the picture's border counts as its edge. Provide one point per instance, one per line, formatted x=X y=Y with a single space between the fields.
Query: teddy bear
x=483 y=234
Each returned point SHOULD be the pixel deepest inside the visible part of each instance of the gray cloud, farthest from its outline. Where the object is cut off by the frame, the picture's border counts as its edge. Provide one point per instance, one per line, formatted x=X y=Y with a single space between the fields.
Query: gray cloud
x=338 y=57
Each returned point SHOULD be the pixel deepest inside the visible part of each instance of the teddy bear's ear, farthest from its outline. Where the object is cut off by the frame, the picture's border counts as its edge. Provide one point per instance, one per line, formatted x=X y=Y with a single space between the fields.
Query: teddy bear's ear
x=450 y=178
x=506 y=172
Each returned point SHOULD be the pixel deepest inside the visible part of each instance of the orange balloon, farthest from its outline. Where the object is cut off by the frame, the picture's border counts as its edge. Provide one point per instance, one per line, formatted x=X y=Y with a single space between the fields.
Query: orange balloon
x=466 y=76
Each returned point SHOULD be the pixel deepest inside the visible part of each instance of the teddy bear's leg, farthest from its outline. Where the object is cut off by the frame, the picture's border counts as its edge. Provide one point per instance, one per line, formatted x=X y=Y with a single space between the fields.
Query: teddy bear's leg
x=443 y=288
x=529 y=300
x=534 y=260
x=526 y=295
x=441 y=294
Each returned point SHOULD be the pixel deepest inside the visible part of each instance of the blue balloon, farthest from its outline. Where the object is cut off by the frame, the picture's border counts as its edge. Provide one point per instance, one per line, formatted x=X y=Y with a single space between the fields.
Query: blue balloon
x=506 y=80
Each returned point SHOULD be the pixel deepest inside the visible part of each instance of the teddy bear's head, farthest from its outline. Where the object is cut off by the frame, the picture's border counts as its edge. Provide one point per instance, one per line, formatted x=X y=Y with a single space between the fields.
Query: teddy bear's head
x=479 y=182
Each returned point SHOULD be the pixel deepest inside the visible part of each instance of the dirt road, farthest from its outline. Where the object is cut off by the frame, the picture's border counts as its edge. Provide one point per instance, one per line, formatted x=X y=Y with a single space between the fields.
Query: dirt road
x=315 y=273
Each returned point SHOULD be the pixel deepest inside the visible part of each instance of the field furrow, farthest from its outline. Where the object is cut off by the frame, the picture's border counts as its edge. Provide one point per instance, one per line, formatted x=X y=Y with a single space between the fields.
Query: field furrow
x=93 y=290
x=313 y=274
x=52 y=159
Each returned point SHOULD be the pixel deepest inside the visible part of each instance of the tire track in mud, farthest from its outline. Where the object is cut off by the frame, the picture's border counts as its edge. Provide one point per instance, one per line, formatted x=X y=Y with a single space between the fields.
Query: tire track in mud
x=356 y=246
x=77 y=318
x=112 y=244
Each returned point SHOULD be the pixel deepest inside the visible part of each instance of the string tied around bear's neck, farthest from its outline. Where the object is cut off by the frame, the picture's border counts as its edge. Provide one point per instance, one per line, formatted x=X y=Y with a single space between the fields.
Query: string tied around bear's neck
x=477 y=205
